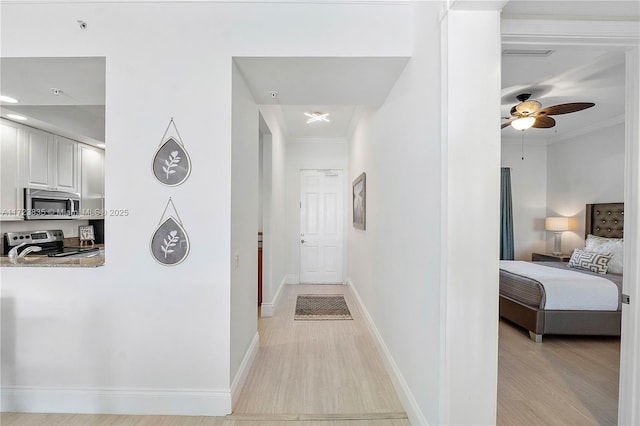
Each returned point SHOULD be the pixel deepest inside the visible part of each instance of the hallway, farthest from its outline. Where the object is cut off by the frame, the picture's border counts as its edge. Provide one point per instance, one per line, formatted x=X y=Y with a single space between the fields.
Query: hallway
x=322 y=369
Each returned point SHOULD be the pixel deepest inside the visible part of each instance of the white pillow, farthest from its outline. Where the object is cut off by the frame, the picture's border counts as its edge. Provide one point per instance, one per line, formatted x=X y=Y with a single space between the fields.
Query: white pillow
x=615 y=246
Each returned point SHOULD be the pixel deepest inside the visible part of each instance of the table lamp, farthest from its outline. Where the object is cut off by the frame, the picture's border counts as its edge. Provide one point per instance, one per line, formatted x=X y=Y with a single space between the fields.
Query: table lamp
x=557 y=225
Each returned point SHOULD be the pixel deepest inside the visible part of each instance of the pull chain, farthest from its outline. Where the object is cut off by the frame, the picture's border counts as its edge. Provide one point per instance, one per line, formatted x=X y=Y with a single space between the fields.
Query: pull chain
x=522 y=145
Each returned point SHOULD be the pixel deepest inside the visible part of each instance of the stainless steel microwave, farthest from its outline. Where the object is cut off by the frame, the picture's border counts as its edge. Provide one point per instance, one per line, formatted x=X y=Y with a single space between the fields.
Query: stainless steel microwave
x=40 y=204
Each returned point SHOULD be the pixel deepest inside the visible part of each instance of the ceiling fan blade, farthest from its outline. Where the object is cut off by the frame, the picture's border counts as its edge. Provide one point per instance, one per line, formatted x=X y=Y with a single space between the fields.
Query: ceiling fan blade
x=505 y=125
x=544 y=122
x=565 y=108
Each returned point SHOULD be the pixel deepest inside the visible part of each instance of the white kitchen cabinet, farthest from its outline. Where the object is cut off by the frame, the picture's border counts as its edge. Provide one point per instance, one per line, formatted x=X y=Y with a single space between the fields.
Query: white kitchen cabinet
x=91 y=181
x=39 y=153
x=66 y=164
x=51 y=161
x=11 y=194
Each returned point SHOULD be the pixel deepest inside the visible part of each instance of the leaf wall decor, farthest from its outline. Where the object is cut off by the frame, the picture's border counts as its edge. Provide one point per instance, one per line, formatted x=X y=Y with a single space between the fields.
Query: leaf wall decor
x=170 y=243
x=171 y=163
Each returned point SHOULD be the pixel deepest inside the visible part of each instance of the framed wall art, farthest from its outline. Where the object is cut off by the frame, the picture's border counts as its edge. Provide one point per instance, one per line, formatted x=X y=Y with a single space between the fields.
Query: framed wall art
x=170 y=243
x=171 y=163
x=360 y=202
x=86 y=234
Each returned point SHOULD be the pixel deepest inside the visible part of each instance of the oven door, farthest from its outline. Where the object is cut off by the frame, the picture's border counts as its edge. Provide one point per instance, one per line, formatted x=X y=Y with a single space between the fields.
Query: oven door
x=51 y=205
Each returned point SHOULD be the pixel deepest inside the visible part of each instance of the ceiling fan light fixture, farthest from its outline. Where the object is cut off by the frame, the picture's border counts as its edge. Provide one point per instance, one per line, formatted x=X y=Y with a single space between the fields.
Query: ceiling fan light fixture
x=523 y=123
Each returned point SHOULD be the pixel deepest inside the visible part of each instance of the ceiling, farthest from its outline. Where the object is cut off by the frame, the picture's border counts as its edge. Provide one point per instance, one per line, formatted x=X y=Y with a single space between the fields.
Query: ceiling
x=328 y=85
x=77 y=111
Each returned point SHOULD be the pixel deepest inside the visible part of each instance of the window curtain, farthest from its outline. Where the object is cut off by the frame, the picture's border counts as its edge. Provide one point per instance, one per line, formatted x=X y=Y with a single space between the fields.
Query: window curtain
x=506 y=215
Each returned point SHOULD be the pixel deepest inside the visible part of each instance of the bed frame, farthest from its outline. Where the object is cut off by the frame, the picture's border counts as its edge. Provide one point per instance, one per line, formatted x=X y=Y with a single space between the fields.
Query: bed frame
x=604 y=220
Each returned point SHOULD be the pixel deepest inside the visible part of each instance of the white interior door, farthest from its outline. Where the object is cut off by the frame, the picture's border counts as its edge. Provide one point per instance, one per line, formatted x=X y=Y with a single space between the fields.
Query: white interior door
x=321 y=210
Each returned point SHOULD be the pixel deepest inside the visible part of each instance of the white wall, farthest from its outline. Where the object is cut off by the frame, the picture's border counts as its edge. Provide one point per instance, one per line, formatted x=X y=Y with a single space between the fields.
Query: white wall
x=304 y=154
x=274 y=247
x=244 y=221
x=135 y=336
x=471 y=214
x=529 y=195
x=394 y=264
x=584 y=170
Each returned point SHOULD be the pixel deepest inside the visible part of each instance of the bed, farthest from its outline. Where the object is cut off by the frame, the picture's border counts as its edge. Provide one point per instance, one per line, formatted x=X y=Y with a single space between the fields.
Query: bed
x=522 y=299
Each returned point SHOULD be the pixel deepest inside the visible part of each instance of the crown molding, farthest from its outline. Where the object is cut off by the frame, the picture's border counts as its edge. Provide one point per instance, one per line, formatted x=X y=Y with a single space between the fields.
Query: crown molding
x=535 y=140
x=570 y=32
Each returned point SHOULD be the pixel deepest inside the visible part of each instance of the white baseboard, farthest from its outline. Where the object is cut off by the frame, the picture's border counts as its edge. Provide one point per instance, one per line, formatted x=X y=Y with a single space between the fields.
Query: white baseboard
x=267 y=309
x=243 y=370
x=416 y=417
x=177 y=402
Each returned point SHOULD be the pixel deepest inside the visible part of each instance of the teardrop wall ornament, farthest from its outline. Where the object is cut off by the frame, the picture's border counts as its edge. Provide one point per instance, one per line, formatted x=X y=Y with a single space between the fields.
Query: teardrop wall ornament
x=170 y=242
x=171 y=162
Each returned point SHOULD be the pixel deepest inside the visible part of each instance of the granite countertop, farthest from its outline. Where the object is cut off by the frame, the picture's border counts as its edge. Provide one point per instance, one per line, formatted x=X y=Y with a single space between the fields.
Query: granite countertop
x=35 y=260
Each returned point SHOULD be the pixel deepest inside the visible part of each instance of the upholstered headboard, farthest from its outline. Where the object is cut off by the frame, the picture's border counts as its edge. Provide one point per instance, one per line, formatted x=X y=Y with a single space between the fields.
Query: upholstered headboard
x=605 y=220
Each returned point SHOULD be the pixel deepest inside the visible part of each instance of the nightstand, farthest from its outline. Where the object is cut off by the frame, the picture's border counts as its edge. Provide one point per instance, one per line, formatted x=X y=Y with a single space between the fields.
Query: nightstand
x=548 y=257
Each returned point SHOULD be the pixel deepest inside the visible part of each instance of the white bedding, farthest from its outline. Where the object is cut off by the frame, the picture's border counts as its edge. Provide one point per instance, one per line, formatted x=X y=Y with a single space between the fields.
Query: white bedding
x=568 y=290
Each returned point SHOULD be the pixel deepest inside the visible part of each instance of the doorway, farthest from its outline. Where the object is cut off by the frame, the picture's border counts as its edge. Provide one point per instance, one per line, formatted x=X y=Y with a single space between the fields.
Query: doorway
x=321 y=233
x=622 y=129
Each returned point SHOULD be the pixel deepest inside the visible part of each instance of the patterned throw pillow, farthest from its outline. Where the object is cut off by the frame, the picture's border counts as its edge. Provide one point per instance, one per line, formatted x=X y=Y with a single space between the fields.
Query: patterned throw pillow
x=590 y=261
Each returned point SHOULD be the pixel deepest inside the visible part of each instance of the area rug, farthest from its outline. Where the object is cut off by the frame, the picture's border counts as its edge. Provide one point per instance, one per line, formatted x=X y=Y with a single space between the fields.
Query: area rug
x=312 y=307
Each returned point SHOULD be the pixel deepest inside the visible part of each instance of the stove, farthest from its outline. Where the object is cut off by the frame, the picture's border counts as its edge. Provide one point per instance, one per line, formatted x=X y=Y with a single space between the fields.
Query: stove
x=52 y=243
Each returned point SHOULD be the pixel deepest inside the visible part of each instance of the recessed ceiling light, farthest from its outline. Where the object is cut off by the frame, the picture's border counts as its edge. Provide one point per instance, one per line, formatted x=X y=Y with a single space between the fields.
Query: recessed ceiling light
x=316 y=116
x=8 y=99
x=17 y=117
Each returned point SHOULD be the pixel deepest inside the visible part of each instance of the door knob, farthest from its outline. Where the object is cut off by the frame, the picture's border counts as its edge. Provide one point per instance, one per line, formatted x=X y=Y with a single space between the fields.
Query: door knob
x=302 y=241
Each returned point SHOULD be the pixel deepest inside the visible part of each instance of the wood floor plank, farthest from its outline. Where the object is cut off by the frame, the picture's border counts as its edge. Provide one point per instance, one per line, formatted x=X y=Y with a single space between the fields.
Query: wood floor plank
x=23 y=419
x=563 y=380
x=319 y=417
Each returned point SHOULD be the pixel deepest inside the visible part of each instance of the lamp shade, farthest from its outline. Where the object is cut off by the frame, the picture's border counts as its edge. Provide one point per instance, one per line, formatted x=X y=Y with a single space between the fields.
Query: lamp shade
x=557 y=224
x=523 y=123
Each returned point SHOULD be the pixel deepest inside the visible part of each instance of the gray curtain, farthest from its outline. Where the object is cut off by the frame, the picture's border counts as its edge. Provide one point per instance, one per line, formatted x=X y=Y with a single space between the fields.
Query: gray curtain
x=506 y=215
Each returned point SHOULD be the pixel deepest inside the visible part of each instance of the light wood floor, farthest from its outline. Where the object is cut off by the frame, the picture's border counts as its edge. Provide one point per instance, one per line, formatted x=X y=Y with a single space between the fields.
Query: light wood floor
x=328 y=373
x=565 y=380
x=306 y=373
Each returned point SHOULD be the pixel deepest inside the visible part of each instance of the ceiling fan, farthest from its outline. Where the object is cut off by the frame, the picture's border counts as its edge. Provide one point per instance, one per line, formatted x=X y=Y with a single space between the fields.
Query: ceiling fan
x=528 y=113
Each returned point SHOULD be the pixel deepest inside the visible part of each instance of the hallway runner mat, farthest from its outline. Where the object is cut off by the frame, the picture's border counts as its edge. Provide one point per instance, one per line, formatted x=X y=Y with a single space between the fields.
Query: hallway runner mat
x=312 y=307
